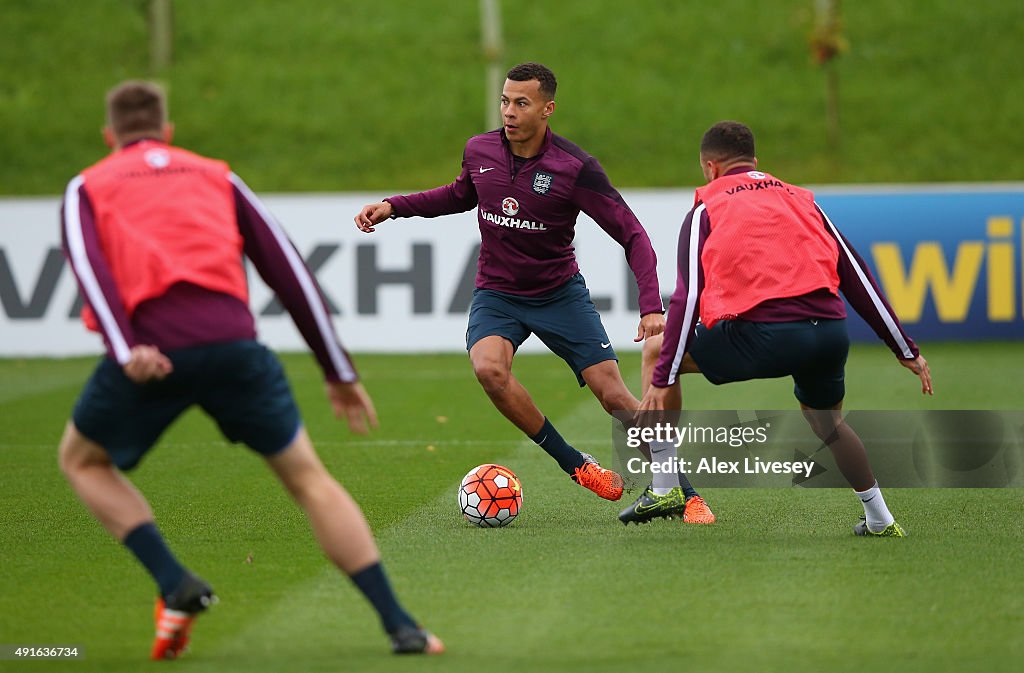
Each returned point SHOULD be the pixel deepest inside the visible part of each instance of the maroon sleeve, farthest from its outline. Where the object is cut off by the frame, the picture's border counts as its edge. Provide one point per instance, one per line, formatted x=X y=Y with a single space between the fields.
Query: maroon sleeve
x=595 y=196
x=684 y=307
x=282 y=268
x=457 y=197
x=862 y=291
x=81 y=243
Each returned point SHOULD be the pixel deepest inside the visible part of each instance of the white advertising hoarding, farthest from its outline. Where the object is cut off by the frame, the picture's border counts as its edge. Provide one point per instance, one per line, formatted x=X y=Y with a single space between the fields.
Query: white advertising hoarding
x=405 y=288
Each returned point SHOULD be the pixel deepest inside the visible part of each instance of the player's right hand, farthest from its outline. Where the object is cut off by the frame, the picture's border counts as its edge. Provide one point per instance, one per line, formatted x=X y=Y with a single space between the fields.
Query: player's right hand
x=147 y=363
x=373 y=214
x=351 y=402
x=655 y=400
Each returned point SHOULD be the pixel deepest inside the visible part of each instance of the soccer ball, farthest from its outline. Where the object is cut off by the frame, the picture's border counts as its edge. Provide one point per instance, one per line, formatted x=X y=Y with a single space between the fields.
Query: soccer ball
x=490 y=496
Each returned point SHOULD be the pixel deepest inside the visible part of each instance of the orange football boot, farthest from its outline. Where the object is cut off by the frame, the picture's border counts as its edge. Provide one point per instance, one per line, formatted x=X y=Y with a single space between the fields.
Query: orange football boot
x=606 y=483
x=697 y=511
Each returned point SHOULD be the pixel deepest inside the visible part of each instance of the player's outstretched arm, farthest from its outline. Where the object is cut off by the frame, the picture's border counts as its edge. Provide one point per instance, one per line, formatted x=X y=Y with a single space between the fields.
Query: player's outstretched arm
x=351 y=402
x=373 y=214
x=920 y=367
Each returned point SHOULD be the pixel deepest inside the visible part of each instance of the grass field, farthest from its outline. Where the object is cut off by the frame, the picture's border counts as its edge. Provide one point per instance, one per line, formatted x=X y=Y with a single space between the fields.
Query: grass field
x=351 y=95
x=778 y=584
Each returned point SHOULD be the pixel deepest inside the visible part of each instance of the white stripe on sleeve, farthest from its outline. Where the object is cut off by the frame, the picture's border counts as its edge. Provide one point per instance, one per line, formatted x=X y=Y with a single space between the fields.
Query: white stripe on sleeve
x=691 y=291
x=887 y=318
x=80 y=261
x=298 y=267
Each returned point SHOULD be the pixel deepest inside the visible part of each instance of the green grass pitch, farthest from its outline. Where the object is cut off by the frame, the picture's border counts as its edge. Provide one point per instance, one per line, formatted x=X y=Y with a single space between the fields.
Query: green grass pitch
x=328 y=95
x=778 y=584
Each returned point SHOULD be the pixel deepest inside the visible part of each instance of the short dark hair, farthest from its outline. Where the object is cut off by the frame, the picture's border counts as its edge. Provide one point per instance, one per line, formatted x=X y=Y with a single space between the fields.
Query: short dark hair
x=524 y=72
x=136 y=107
x=728 y=140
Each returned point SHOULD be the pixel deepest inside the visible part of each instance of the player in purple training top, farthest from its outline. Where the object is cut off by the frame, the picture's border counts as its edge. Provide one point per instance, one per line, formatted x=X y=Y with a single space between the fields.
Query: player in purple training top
x=530 y=185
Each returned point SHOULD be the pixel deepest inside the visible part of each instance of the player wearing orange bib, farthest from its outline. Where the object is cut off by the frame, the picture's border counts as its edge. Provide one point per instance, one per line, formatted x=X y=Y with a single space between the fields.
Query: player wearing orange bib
x=762 y=266
x=156 y=237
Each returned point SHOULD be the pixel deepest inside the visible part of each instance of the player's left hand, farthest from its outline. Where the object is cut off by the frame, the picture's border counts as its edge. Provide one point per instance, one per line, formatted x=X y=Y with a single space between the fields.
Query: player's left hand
x=650 y=325
x=351 y=402
x=920 y=367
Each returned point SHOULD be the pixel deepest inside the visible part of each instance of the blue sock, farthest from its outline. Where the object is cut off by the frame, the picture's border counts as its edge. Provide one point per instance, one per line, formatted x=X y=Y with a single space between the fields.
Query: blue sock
x=548 y=439
x=149 y=547
x=688 y=490
x=375 y=586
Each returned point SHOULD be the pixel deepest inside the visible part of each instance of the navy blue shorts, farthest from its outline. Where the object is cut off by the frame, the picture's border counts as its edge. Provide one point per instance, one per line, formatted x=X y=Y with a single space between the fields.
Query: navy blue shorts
x=565 y=320
x=239 y=384
x=813 y=352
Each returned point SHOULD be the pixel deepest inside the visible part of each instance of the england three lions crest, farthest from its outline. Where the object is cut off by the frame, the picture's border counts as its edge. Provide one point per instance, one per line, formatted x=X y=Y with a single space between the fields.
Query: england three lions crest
x=542 y=182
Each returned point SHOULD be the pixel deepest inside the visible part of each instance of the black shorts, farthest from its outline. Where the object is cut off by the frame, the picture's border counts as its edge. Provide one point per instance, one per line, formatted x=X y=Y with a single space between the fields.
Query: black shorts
x=813 y=352
x=565 y=320
x=240 y=384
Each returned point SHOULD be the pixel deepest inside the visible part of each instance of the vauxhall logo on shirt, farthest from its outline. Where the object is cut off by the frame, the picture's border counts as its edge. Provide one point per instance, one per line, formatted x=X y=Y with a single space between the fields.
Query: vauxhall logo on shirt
x=761 y=184
x=510 y=206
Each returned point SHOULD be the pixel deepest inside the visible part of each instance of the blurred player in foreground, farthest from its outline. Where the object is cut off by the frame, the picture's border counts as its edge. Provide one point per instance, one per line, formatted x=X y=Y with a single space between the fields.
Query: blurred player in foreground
x=529 y=186
x=762 y=266
x=155 y=236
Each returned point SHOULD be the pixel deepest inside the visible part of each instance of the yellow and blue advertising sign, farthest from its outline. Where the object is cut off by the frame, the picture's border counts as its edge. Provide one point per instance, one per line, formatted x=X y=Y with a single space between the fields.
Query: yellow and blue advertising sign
x=950 y=260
